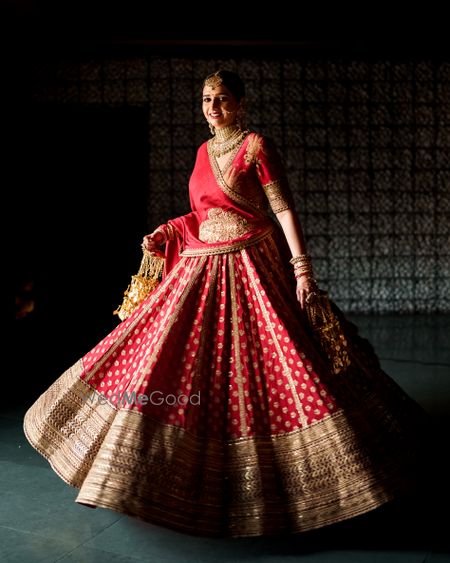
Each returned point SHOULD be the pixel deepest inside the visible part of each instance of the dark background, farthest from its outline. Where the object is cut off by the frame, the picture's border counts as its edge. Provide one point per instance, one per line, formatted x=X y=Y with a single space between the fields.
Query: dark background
x=104 y=120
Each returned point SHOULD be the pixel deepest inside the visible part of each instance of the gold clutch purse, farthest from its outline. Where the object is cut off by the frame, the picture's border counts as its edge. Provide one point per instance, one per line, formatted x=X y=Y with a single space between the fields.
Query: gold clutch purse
x=143 y=283
x=327 y=330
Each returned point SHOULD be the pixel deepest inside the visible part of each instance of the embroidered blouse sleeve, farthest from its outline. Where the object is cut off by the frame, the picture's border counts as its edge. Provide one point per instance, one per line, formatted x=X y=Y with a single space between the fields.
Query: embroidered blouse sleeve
x=272 y=175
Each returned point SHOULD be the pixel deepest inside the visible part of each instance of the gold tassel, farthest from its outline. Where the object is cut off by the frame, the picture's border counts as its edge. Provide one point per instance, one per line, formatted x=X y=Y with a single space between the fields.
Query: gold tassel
x=142 y=284
x=327 y=330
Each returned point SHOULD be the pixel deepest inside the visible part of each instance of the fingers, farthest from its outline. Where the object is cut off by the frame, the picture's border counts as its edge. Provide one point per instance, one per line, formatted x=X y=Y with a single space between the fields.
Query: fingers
x=305 y=286
x=148 y=243
x=301 y=296
x=152 y=241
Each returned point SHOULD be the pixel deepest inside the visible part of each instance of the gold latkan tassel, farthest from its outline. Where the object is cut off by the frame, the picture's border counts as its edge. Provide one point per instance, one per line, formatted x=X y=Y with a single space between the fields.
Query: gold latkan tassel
x=142 y=284
x=327 y=329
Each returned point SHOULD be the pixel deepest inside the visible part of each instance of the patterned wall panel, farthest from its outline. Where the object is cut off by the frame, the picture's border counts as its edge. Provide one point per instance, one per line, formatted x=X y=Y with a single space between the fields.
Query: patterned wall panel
x=366 y=146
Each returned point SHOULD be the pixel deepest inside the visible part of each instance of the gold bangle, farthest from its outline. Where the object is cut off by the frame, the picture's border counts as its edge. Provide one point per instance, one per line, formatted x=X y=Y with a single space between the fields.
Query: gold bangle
x=162 y=231
x=170 y=231
x=300 y=258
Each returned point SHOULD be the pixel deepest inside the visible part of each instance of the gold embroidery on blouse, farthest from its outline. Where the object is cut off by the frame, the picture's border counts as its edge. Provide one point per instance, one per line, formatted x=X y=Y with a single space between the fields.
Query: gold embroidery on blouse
x=223 y=225
x=233 y=153
x=239 y=182
x=226 y=188
x=275 y=194
x=235 y=178
x=252 y=150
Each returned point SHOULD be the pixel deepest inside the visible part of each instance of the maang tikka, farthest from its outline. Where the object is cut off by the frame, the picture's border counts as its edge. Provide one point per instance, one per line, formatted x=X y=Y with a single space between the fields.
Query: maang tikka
x=213 y=81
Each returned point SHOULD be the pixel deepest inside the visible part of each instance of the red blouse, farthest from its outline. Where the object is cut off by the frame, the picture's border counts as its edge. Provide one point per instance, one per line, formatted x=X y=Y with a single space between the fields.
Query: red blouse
x=230 y=207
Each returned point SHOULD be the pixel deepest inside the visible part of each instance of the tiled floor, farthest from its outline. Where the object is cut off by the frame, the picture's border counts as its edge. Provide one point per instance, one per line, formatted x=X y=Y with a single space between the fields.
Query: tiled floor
x=40 y=522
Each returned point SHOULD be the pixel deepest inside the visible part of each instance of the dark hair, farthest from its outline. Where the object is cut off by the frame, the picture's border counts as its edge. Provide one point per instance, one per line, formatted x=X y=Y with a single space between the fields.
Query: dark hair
x=230 y=80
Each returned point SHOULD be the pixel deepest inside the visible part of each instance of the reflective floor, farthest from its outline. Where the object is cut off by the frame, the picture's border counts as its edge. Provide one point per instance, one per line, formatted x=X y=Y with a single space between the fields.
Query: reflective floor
x=39 y=520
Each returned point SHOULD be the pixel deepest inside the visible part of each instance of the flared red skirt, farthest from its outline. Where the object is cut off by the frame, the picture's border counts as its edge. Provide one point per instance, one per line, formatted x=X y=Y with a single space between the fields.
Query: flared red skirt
x=212 y=410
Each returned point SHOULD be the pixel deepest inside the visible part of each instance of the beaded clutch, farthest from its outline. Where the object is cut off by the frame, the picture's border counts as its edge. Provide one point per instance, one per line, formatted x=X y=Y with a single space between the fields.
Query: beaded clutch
x=327 y=330
x=143 y=283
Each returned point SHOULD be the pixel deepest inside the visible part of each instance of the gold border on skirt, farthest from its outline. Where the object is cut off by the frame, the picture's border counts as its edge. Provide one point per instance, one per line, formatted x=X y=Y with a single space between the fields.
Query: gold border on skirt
x=123 y=460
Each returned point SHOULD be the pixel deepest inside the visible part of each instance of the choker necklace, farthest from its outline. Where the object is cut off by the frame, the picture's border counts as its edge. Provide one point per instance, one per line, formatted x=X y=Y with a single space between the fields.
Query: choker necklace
x=226 y=139
x=225 y=133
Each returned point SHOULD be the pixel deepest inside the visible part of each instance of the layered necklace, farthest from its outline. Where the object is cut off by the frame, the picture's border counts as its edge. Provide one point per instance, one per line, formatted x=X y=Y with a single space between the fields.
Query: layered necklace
x=226 y=139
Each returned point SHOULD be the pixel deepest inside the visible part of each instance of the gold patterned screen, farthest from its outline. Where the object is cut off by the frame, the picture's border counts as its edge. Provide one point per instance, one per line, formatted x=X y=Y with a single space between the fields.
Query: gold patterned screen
x=366 y=146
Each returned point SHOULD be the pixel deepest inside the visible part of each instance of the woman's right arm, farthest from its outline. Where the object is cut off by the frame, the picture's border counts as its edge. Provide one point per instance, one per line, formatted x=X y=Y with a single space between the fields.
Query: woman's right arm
x=152 y=241
x=160 y=235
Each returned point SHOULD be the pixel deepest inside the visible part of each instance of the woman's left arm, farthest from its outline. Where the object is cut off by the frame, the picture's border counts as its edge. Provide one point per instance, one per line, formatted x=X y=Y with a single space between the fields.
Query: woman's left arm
x=272 y=176
x=292 y=231
x=296 y=240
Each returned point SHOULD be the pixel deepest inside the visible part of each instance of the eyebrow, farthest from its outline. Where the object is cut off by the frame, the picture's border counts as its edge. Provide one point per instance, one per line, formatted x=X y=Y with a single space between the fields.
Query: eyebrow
x=209 y=95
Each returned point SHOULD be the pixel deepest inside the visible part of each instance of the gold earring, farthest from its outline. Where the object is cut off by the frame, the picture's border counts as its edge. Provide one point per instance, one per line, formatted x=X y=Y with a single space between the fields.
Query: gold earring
x=212 y=129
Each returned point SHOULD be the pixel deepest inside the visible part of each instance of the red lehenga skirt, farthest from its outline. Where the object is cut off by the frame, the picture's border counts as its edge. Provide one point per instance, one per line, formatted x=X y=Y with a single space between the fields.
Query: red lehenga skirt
x=212 y=411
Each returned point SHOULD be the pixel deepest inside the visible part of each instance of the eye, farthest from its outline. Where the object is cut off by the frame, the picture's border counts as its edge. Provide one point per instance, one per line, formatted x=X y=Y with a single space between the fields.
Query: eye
x=206 y=100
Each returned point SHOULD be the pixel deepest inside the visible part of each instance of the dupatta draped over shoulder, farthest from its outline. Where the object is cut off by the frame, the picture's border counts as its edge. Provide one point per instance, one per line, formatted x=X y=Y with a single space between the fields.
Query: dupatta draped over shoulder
x=230 y=207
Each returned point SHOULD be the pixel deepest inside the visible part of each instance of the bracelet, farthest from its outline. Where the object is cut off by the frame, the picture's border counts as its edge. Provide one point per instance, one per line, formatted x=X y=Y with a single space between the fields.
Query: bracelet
x=308 y=275
x=167 y=230
x=307 y=272
x=301 y=258
x=302 y=266
x=162 y=232
x=170 y=231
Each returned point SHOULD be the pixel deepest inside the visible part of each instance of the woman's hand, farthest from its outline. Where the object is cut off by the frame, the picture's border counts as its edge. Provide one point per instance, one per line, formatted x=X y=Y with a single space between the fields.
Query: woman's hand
x=305 y=285
x=152 y=241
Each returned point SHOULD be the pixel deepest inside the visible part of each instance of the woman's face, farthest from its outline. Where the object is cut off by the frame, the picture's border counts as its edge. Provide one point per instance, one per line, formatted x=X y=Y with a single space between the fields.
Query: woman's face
x=219 y=106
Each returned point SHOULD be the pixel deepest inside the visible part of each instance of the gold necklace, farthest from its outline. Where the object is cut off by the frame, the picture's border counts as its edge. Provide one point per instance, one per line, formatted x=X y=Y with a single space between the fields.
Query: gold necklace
x=226 y=133
x=226 y=139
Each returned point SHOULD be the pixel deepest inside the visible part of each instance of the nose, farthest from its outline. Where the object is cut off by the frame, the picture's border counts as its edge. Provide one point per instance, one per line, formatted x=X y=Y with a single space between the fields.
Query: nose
x=215 y=103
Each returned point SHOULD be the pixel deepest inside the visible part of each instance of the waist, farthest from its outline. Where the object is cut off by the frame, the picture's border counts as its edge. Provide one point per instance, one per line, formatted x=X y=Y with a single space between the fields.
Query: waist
x=253 y=236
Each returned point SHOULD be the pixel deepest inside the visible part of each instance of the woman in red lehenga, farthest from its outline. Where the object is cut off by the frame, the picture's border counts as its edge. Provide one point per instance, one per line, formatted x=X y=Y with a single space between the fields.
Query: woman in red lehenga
x=212 y=409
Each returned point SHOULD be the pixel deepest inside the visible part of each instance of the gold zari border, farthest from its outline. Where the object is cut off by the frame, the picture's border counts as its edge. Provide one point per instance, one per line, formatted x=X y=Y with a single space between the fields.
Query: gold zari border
x=124 y=461
x=228 y=190
x=230 y=247
x=237 y=345
x=278 y=201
